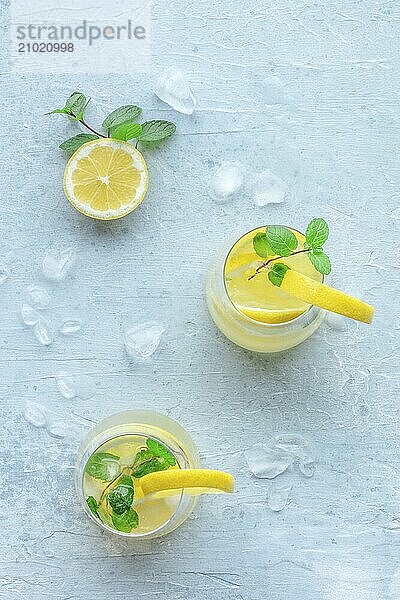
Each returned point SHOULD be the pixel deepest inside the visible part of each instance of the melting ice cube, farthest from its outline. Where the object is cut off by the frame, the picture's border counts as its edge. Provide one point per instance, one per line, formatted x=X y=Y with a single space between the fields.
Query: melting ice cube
x=307 y=467
x=226 y=181
x=35 y=414
x=267 y=463
x=29 y=315
x=42 y=333
x=70 y=326
x=57 y=263
x=143 y=340
x=60 y=429
x=72 y=386
x=295 y=444
x=173 y=89
x=278 y=497
x=268 y=188
x=39 y=297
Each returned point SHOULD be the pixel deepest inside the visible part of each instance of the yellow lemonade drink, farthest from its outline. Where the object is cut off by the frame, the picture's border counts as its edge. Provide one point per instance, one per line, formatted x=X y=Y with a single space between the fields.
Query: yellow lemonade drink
x=251 y=311
x=115 y=456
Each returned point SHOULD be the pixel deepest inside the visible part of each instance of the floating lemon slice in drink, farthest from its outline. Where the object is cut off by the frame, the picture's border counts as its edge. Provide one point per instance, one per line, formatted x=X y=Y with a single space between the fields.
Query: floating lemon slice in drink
x=318 y=294
x=192 y=481
x=106 y=179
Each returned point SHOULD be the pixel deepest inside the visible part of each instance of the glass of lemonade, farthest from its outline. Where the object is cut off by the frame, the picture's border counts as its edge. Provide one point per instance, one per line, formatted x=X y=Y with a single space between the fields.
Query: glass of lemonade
x=112 y=458
x=254 y=313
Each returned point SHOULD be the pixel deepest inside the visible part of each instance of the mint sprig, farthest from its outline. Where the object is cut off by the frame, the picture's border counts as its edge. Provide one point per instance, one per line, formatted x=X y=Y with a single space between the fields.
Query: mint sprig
x=282 y=242
x=103 y=466
x=120 y=124
x=121 y=496
x=127 y=521
x=155 y=457
x=93 y=505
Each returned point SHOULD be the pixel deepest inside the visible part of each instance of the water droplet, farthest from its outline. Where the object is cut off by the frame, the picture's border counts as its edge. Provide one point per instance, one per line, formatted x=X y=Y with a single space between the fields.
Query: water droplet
x=57 y=263
x=29 y=315
x=173 y=89
x=273 y=90
x=66 y=385
x=70 y=327
x=39 y=297
x=295 y=444
x=35 y=414
x=60 y=429
x=278 y=497
x=268 y=188
x=307 y=468
x=72 y=386
x=42 y=333
x=143 y=340
x=226 y=181
x=267 y=463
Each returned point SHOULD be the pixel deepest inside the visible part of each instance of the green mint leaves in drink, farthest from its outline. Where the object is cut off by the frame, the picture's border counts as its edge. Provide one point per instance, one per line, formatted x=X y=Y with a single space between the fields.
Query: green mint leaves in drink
x=280 y=242
x=93 y=505
x=155 y=457
x=103 y=466
x=127 y=521
x=121 y=496
x=121 y=124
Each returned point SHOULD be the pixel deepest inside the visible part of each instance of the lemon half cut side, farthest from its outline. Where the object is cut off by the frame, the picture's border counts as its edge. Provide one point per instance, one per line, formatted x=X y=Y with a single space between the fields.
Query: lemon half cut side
x=106 y=179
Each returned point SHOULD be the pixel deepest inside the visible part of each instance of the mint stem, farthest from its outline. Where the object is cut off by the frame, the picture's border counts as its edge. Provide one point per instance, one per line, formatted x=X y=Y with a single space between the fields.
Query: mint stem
x=270 y=260
x=88 y=126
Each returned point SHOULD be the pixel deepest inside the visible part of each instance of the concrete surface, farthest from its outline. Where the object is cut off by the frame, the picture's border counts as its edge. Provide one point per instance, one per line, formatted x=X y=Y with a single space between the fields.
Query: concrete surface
x=327 y=122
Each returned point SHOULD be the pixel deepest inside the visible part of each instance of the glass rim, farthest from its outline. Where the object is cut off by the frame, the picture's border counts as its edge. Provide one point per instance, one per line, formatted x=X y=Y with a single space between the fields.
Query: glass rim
x=107 y=527
x=250 y=319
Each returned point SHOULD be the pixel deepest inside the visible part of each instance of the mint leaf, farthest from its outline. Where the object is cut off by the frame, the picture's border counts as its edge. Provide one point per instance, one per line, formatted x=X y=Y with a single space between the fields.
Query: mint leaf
x=151 y=466
x=320 y=261
x=121 y=497
x=93 y=505
x=71 y=146
x=281 y=240
x=127 y=521
x=160 y=451
x=317 y=233
x=120 y=115
x=75 y=105
x=261 y=246
x=103 y=466
x=155 y=131
x=58 y=111
x=126 y=131
x=277 y=273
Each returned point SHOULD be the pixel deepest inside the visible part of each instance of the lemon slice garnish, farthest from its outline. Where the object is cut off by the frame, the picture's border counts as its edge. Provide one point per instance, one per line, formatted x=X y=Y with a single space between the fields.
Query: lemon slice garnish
x=319 y=294
x=106 y=179
x=264 y=315
x=190 y=481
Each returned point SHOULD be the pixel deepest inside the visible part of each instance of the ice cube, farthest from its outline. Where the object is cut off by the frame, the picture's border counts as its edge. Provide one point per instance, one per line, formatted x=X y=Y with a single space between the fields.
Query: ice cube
x=307 y=467
x=335 y=321
x=143 y=340
x=278 y=497
x=295 y=444
x=70 y=326
x=173 y=89
x=35 y=414
x=268 y=188
x=267 y=463
x=29 y=315
x=4 y=273
x=57 y=263
x=72 y=386
x=66 y=385
x=42 y=333
x=39 y=297
x=226 y=181
x=60 y=429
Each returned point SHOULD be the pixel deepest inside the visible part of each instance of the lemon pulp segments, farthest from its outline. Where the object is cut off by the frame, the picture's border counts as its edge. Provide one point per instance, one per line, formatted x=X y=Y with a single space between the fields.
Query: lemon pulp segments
x=191 y=481
x=319 y=294
x=106 y=179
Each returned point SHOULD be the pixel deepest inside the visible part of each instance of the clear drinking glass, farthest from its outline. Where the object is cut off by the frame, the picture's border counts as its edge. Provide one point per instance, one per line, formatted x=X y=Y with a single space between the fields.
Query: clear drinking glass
x=160 y=516
x=249 y=332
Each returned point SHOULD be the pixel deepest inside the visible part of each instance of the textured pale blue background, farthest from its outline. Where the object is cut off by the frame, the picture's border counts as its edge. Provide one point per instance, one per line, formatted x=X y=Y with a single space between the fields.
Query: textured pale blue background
x=333 y=135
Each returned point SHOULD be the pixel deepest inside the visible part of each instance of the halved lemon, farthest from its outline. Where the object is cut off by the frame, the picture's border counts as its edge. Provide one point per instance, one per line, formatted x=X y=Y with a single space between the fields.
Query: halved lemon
x=316 y=293
x=106 y=179
x=191 y=481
